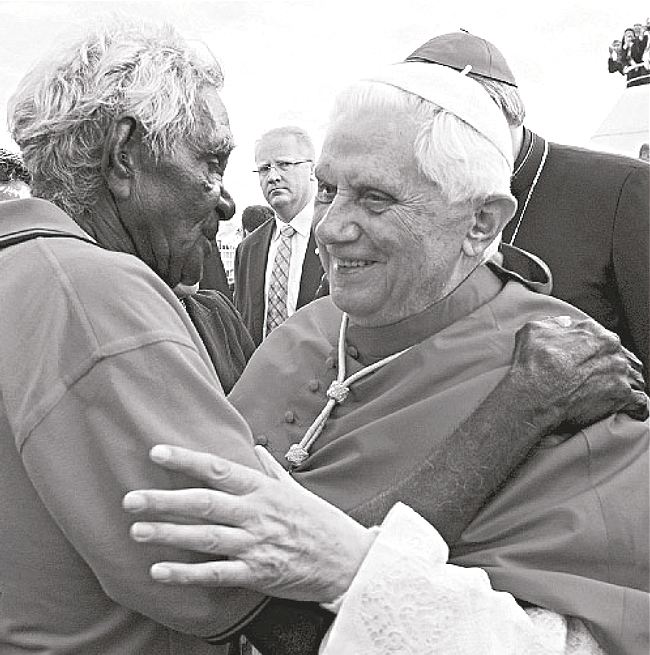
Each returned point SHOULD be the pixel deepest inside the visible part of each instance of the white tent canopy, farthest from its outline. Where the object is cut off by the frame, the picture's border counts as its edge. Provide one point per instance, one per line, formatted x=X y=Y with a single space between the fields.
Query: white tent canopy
x=626 y=127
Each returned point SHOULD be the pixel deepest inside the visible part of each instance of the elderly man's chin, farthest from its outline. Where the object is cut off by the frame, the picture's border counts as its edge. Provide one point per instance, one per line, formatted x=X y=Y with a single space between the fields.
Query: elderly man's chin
x=363 y=302
x=188 y=275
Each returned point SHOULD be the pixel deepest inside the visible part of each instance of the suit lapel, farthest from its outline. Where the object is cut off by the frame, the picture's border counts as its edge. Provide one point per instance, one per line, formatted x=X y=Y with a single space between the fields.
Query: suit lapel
x=312 y=271
x=259 y=257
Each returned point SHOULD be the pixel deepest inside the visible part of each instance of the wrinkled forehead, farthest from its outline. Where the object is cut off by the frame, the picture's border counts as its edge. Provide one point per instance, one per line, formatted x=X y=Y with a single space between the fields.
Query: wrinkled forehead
x=212 y=124
x=369 y=143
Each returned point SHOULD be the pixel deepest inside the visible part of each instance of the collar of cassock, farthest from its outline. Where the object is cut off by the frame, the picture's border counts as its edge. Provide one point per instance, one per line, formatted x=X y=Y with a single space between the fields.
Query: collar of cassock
x=526 y=164
x=483 y=284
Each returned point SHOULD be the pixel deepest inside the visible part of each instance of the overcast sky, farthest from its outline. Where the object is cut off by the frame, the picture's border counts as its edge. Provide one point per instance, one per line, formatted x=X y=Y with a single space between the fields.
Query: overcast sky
x=283 y=59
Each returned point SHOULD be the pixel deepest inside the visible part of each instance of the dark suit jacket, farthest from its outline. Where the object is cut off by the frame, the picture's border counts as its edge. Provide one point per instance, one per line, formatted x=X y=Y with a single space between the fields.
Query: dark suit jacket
x=588 y=220
x=250 y=266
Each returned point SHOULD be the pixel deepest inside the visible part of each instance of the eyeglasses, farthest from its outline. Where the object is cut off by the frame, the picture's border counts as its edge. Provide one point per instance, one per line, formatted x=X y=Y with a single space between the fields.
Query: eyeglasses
x=281 y=166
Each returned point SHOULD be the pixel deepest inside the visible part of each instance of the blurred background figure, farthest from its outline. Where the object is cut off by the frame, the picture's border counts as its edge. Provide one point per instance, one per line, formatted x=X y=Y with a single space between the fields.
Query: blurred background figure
x=615 y=56
x=277 y=269
x=633 y=45
x=625 y=127
x=644 y=153
x=14 y=177
x=255 y=216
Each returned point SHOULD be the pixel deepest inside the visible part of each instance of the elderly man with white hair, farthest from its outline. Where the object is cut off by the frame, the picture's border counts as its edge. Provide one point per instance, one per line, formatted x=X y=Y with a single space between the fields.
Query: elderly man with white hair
x=363 y=390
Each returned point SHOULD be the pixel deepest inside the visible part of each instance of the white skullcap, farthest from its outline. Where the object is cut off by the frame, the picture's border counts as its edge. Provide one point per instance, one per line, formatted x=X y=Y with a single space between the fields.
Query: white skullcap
x=454 y=92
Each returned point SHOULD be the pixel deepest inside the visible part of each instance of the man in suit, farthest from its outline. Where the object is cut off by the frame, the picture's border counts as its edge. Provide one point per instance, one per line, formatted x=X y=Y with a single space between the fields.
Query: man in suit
x=277 y=269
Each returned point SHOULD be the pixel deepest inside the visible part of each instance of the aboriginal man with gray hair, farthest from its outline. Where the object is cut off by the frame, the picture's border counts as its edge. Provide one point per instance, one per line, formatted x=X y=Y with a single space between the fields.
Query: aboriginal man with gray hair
x=127 y=140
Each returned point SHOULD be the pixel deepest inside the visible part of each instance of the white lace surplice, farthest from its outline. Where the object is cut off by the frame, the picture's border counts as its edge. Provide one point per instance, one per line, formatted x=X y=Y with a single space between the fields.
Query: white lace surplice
x=406 y=600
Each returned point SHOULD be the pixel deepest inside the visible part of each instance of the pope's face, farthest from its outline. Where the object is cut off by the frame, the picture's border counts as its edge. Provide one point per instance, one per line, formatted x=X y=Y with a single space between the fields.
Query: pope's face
x=389 y=243
x=178 y=201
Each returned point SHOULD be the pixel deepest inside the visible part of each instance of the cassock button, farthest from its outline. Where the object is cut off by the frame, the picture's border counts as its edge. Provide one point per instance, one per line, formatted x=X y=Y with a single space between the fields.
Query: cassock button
x=289 y=417
x=353 y=352
x=330 y=362
x=314 y=385
x=260 y=440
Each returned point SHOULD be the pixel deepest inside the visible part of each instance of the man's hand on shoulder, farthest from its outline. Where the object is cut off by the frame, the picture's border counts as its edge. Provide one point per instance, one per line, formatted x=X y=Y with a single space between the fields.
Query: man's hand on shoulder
x=573 y=373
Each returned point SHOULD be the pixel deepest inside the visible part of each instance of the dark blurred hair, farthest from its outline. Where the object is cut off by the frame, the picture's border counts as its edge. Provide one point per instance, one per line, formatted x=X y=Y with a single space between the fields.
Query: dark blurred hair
x=506 y=97
x=12 y=168
x=254 y=216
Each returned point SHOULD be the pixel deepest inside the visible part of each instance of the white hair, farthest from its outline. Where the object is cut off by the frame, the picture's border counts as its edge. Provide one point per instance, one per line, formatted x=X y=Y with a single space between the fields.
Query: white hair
x=62 y=111
x=461 y=162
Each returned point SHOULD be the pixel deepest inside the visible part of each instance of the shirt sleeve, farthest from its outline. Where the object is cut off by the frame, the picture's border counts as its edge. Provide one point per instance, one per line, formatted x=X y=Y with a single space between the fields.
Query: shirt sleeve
x=92 y=447
x=630 y=259
x=406 y=598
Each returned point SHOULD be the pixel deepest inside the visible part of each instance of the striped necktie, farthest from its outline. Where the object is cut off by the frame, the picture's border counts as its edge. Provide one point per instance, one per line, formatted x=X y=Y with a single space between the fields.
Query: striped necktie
x=277 y=300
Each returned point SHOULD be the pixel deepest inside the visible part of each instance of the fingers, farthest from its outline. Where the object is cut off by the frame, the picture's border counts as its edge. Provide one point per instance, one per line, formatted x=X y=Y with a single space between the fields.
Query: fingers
x=562 y=321
x=215 y=540
x=637 y=383
x=187 y=505
x=637 y=408
x=219 y=574
x=633 y=360
x=215 y=471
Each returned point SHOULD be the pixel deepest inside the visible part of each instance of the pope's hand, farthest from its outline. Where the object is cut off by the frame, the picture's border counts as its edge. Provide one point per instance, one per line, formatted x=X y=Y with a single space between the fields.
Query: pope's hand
x=268 y=533
x=574 y=373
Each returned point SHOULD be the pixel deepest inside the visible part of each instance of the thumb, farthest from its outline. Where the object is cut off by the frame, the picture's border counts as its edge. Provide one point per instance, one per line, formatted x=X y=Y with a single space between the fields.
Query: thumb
x=271 y=467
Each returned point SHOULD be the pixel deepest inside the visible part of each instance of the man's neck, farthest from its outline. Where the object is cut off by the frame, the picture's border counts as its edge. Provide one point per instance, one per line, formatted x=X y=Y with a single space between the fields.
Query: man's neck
x=517 y=137
x=104 y=225
x=287 y=218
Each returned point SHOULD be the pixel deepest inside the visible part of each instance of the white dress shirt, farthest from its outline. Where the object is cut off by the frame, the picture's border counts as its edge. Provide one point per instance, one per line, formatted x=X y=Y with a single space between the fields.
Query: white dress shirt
x=301 y=223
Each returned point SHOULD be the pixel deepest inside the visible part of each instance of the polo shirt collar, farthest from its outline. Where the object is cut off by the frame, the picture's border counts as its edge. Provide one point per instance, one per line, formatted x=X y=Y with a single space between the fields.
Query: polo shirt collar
x=35 y=213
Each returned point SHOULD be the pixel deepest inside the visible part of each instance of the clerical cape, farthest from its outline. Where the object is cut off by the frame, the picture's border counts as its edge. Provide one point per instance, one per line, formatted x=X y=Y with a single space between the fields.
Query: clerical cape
x=569 y=530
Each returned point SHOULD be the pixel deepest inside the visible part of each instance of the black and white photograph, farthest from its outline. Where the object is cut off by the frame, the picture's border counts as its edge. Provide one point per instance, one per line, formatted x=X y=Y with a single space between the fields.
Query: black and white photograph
x=324 y=327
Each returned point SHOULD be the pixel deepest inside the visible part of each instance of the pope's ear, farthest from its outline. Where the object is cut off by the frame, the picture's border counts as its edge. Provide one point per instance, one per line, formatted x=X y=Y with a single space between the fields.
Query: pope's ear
x=490 y=217
x=120 y=156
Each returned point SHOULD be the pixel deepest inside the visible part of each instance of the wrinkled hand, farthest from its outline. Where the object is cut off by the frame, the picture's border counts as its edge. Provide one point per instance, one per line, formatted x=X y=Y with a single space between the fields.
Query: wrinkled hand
x=574 y=373
x=279 y=538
